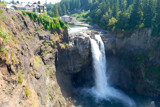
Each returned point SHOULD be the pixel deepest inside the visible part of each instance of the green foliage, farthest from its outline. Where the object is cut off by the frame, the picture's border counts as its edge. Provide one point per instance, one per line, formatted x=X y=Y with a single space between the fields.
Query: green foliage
x=14 y=18
x=4 y=35
x=24 y=13
x=112 y=21
x=148 y=13
x=27 y=92
x=48 y=23
x=36 y=29
x=3 y=2
x=45 y=43
x=2 y=16
x=82 y=16
x=1 y=11
x=129 y=14
x=37 y=61
x=45 y=13
x=63 y=45
x=2 y=49
x=20 y=78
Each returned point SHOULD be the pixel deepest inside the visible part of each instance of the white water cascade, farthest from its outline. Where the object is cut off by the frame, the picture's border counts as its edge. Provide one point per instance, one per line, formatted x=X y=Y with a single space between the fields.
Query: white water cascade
x=102 y=89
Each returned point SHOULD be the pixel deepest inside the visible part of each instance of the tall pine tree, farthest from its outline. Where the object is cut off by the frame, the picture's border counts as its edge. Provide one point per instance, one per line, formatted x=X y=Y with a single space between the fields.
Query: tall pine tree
x=148 y=13
x=135 y=17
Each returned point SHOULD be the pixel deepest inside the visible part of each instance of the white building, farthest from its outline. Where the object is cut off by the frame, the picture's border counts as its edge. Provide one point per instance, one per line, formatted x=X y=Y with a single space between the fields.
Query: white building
x=66 y=18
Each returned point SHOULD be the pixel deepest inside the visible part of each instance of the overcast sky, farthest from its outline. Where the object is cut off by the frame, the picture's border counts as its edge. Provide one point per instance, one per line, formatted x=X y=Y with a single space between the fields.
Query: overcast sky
x=43 y=1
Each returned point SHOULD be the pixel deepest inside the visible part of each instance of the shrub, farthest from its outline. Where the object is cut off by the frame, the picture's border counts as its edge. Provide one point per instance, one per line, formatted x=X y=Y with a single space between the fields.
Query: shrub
x=63 y=45
x=3 y=2
x=14 y=18
x=3 y=17
x=44 y=43
x=37 y=61
x=37 y=29
x=27 y=92
x=15 y=40
x=48 y=23
x=2 y=49
x=20 y=78
x=112 y=21
x=1 y=11
x=5 y=36
x=24 y=13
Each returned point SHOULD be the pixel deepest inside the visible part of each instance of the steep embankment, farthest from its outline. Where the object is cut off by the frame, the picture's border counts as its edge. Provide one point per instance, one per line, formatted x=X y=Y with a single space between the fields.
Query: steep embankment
x=27 y=62
x=134 y=61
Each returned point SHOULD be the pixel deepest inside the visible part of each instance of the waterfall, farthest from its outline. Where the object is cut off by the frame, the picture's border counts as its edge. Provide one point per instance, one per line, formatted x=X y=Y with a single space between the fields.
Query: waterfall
x=99 y=64
x=102 y=89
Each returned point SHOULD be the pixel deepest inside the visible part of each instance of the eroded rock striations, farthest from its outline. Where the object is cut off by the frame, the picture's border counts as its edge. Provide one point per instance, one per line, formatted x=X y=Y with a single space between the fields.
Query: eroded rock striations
x=133 y=61
x=27 y=62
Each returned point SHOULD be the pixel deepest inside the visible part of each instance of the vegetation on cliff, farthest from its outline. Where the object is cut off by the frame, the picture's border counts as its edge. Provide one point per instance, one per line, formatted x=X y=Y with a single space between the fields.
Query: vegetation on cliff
x=115 y=15
x=48 y=23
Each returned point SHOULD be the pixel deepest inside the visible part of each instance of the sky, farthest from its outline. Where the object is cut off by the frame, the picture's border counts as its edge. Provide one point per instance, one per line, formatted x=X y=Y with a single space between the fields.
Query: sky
x=43 y=1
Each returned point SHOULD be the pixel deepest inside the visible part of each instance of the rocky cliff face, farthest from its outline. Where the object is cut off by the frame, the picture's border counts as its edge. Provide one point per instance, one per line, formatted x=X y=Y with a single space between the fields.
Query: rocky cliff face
x=133 y=61
x=27 y=62
x=77 y=56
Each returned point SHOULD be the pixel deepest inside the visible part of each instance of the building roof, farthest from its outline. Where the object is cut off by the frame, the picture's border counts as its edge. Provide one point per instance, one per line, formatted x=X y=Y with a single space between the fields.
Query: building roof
x=9 y=5
x=65 y=16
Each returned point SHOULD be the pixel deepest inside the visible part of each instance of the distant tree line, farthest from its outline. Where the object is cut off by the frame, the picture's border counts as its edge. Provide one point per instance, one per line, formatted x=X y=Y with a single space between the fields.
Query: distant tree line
x=115 y=15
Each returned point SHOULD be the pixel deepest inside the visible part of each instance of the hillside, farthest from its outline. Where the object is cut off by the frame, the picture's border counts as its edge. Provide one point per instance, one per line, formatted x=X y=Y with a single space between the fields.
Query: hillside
x=27 y=60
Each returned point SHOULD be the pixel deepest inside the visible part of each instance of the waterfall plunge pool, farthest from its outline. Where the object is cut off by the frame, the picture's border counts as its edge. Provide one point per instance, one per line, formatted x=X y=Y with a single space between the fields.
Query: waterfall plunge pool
x=101 y=94
x=84 y=87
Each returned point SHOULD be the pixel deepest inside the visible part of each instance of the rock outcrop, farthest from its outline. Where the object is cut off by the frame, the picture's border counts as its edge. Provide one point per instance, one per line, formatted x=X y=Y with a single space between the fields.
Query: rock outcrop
x=77 y=56
x=27 y=62
x=133 y=61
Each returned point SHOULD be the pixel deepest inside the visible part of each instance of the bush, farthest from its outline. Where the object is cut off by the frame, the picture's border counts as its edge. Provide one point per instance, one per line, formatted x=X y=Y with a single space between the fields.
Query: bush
x=14 y=18
x=63 y=45
x=1 y=11
x=44 y=43
x=24 y=13
x=20 y=78
x=37 y=29
x=48 y=23
x=3 y=17
x=2 y=49
x=27 y=92
x=4 y=34
x=3 y=2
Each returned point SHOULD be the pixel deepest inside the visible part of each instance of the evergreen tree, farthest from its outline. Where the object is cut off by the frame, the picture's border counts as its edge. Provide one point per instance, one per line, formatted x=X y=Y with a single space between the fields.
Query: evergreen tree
x=115 y=8
x=55 y=11
x=135 y=18
x=148 y=13
x=158 y=13
x=127 y=14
